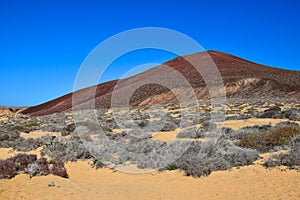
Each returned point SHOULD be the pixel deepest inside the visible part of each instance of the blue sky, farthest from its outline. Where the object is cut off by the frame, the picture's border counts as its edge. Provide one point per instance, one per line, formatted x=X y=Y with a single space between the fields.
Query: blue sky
x=43 y=43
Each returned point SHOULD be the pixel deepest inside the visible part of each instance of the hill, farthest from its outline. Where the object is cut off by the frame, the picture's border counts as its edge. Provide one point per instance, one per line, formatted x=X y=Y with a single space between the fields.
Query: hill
x=242 y=79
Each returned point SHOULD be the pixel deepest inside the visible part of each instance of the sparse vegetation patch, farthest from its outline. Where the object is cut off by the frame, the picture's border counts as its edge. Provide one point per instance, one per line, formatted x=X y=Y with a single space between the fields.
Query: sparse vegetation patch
x=28 y=163
x=266 y=140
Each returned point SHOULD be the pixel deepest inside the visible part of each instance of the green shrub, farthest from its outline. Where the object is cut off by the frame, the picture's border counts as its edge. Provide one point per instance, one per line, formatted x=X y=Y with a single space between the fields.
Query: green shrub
x=266 y=140
x=171 y=167
x=97 y=163
x=96 y=160
x=31 y=124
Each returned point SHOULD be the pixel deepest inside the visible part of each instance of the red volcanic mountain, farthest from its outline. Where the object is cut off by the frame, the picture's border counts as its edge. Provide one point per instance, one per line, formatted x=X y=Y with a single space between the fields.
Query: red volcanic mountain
x=241 y=79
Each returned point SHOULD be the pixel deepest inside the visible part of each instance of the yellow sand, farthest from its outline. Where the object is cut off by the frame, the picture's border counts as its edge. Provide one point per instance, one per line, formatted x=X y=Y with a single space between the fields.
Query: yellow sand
x=165 y=136
x=119 y=130
x=38 y=133
x=237 y=124
x=85 y=182
x=170 y=136
x=9 y=152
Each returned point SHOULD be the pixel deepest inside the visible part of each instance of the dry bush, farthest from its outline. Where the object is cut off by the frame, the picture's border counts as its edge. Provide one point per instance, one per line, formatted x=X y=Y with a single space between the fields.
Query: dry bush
x=28 y=163
x=290 y=159
x=266 y=140
x=204 y=157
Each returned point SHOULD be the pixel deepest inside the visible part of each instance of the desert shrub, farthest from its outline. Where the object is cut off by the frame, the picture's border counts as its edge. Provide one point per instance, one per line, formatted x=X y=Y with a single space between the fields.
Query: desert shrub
x=56 y=118
x=171 y=167
x=57 y=168
x=287 y=123
x=138 y=145
x=290 y=159
x=237 y=134
x=97 y=163
x=62 y=128
x=292 y=114
x=9 y=135
x=273 y=112
x=11 y=139
x=38 y=168
x=96 y=160
x=68 y=150
x=12 y=166
x=204 y=157
x=52 y=127
x=266 y=140
x=68 y=129
x=195 y=158
x=142 y=123
x=28 y=144
x=31 y=124
x=28 y=163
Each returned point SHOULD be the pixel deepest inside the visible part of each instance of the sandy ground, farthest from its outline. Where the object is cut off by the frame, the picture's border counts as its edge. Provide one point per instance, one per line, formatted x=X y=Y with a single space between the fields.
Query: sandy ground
x=9 y=152
x=38 y=133
x=85 y=182
x=237 y=124
x=165 y=136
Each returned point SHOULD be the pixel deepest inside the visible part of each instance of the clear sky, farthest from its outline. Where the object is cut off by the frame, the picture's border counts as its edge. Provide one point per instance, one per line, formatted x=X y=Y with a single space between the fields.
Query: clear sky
x=43 y=43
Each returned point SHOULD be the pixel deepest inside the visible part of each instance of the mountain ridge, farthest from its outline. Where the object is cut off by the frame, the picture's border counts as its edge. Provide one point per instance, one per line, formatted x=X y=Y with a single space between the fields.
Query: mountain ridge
x=242 y=79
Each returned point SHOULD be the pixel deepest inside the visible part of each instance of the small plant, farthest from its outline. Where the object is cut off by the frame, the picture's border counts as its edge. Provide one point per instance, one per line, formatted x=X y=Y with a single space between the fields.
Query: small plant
x=171 y=167
x=97 y=163
x=31 y=124
x=96 y=160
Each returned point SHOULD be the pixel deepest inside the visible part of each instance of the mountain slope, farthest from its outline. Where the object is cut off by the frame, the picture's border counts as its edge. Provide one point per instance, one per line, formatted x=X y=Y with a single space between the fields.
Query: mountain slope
x=241 y=78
